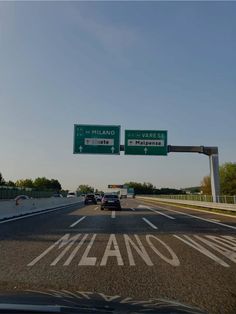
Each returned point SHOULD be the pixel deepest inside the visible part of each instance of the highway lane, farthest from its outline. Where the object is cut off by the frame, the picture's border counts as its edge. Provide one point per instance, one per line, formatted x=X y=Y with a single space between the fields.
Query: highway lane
x=144 y=251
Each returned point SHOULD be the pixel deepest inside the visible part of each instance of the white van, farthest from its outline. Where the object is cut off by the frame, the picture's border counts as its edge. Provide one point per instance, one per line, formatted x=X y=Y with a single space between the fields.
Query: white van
x=71 y=194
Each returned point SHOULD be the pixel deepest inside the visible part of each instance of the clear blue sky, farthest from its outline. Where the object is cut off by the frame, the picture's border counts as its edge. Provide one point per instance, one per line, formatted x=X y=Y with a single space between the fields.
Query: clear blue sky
x=141 y=65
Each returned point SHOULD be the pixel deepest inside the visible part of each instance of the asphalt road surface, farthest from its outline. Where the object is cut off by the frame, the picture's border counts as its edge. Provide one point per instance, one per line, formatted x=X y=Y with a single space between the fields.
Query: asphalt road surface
x=144 y=251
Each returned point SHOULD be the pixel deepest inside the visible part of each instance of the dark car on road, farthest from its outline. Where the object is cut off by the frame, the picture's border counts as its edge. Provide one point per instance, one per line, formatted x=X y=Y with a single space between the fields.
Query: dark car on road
x=110 y=201
x=90 y=199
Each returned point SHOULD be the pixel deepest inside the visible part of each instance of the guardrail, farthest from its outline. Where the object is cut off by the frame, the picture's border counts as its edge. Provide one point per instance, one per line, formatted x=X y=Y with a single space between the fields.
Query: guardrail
x=10 y=208
x=221 y=206
x=198 y=197
x=7 y=194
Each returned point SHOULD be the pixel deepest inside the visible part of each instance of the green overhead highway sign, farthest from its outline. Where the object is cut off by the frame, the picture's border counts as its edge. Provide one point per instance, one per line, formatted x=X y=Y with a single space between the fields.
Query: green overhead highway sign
x=96 y=139
x=145 y=142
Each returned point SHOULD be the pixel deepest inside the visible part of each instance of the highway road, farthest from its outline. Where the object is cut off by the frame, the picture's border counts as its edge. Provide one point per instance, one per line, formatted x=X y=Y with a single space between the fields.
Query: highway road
x=144 y=251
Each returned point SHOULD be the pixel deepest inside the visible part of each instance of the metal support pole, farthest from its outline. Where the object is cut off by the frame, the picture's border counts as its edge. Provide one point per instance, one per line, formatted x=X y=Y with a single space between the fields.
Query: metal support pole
x=215 y=176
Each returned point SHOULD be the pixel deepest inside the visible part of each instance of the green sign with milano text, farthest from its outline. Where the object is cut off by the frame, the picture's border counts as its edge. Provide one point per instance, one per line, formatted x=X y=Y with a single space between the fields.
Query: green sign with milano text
x=96 y=139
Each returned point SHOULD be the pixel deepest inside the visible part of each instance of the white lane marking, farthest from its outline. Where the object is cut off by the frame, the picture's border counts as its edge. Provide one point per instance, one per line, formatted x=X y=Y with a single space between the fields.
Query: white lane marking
x=35 y=214
x=69 y=245
x=195 y=209
x=61 y=243
x=79 y=220
x=132 y=209
x=227 y=241
x=204 y=219
x=76 y=249
x=96 y=208
x=160 y=213
x=85 y=259
x=112 y=252
x=218 y=248
x=149 y=222
x=140 y=249
x=154 y=210
x=174 y=261
x=187 y=240
x=113 y=214
x=143 y=206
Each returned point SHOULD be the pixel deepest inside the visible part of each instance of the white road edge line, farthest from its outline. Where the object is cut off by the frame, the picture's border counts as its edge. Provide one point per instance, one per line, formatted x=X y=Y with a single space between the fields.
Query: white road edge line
x=204 y=219
x=113 y=214
x=160 y=213
x=79 y=220
x=34 y=214
x=96 y=208
x=149 y=222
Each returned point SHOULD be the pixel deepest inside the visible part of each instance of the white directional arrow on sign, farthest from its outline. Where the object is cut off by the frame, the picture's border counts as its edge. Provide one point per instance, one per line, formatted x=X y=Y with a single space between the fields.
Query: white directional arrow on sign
x=145 y=150
x=80 y=148
x=112 y=149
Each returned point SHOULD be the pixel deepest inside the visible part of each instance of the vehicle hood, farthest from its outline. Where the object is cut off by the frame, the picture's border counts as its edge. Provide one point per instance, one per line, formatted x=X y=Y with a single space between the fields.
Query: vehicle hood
x=52 y=301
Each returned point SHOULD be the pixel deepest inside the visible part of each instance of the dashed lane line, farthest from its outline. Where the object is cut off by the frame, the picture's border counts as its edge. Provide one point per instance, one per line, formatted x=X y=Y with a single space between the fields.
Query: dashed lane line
x=189 y=208
x=204 y=219
x=113 y=214
x=79 y=220
x=160 y=213
x=193 y=216
x=149 y=223
x=96 y=208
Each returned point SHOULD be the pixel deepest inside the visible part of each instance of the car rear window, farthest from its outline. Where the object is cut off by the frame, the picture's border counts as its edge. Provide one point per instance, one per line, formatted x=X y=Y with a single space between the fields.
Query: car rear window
x=111 y=196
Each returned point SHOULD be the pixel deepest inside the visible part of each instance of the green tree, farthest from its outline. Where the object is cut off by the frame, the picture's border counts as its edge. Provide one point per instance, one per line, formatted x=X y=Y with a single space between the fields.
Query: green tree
x=168 y=191
x=84 y=189
x=10 y=183
x=55 y=185
x=2 y=181
x=206 y=185
x=141 y=188
x=42 y=183
x=228 y=178
x=24 y=183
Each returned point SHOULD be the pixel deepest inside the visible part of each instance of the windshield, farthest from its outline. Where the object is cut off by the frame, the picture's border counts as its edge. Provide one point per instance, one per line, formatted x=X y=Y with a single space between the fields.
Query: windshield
x=110 y=196
x=118 y=152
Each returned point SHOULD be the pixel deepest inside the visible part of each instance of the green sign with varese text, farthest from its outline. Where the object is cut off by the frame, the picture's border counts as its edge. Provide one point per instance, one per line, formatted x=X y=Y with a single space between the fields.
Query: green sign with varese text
x=145 y=142
x=96 y=139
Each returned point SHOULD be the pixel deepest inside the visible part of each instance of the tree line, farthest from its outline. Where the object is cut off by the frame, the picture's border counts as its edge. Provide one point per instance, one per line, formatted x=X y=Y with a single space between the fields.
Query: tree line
x=227 y=180
x=149 y=188
x=227 y=184
x=139 y=188
x=40 y=184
